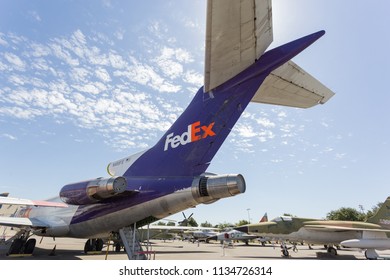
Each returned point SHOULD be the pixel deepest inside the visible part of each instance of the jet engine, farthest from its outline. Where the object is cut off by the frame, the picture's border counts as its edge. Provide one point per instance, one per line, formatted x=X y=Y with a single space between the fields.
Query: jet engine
x=208 y=189
x=89 y=192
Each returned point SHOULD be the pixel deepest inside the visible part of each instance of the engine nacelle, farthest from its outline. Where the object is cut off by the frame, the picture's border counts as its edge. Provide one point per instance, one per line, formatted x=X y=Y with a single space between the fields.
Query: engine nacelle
x=89 y=192
x=208 y=189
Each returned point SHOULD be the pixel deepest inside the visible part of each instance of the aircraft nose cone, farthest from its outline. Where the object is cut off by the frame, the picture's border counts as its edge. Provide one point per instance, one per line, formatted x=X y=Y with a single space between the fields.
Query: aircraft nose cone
x=242 y=229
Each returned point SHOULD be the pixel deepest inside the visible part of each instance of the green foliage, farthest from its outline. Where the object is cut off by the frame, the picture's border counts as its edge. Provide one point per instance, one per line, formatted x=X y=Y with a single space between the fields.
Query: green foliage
x=171 y=224
x=192 y=222
x=242 y=222
x=206 y=224
x=351 y=214
x=224 y=225
x=346 y=214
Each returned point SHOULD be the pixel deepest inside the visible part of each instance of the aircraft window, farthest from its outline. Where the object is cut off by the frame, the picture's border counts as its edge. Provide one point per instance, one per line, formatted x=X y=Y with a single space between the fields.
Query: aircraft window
x=286 y=219
x=282 y=218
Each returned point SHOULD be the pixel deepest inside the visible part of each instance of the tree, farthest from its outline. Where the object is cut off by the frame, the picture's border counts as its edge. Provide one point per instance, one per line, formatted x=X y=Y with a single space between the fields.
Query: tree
x=242 y=222
x=171 y=224
x=206 y=224
x=346 y=214
x=224 y=225
x=192 y=222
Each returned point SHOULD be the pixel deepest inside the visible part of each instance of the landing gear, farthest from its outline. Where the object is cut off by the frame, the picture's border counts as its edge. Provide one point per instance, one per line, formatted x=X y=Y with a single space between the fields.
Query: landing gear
x=93 y=245
x=331 y=250
x=285 y=251
x=371 y=254
x=118 y=246
x=22 y=246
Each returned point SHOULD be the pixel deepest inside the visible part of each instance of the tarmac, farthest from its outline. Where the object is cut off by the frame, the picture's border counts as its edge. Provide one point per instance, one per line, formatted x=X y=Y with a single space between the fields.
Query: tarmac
x=72 y=249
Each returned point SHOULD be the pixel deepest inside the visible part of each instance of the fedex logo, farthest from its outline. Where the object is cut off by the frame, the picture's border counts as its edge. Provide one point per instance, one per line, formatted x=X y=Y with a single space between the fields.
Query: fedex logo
x=195 y=132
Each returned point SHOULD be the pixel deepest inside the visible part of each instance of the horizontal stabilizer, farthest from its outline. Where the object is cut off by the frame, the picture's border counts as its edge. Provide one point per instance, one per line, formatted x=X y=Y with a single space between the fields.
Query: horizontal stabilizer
x=237 y=34
x=290 y=85
x=28 y=202
x=20 y=222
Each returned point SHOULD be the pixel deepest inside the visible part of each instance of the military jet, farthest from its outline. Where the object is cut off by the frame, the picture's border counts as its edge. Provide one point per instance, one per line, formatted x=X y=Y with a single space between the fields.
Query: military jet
x=372 y=235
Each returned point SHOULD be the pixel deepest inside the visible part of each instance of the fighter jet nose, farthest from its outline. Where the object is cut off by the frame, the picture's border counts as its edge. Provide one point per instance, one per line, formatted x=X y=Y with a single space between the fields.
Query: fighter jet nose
x=242 y=229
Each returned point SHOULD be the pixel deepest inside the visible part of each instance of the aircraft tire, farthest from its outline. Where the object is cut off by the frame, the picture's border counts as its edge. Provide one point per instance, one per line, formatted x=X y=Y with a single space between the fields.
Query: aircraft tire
x=99 y=244
x=371 y=254
x=16 y=247
x=88 y=246
x=285 y=253
x=332 y=251
x=117 y=247
x=30 y=246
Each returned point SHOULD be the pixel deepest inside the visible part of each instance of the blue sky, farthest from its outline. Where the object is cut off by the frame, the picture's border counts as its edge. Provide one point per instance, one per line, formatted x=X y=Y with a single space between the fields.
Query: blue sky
x=84 y=83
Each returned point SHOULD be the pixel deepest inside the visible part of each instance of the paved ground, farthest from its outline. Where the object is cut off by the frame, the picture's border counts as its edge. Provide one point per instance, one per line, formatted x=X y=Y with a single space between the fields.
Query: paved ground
x=72 y=249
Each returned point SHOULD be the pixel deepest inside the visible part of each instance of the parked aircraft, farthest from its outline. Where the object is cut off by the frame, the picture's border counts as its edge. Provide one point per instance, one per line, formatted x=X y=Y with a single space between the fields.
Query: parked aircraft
x=233 y=235
x=171 y=176
x=371 y=235
x=230 y=234
x=153 y=231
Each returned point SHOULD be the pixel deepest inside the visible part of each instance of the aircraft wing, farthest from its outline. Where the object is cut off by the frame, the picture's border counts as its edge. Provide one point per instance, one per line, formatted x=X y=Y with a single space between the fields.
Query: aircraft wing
x=20 y=222
x=237 y=34
x=330 y=228
x=28 y=202
x=177 y=228
x=290 y=85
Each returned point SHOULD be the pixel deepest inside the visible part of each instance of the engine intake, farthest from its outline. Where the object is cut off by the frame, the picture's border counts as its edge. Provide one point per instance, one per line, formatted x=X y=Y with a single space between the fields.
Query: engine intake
x=208 y=189
x=89 y=192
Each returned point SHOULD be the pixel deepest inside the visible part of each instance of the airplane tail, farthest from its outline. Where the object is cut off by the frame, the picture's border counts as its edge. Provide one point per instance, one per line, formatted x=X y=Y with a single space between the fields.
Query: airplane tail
x=264 y=218
x=236 y=65
x=188 y=147
x=382 y=216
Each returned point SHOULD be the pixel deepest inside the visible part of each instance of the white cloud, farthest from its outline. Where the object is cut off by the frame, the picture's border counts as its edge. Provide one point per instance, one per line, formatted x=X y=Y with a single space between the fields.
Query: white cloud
x=267 y=123
x=64 y=55
x=245 y=131
x=9 y=136
x=117 y=61
x=119 y=34
x=193 y=77
x=103 y=75
x=35 y=15
x=89 y=88
x=13 y=59
x=2 y=41
x=167 y=63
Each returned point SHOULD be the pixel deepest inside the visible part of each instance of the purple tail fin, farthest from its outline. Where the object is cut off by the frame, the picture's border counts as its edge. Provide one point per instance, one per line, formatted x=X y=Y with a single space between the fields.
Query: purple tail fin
x=188 y=147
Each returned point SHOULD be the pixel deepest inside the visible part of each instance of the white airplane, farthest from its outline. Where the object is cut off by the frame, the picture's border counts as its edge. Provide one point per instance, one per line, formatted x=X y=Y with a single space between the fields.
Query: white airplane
x=200 y=234
x=233 y=235
x=171 y=176
x=230 y=235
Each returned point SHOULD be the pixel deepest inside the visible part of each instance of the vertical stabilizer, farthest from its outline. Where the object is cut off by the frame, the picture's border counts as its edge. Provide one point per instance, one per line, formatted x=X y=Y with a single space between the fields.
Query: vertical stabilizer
x=382 y=216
